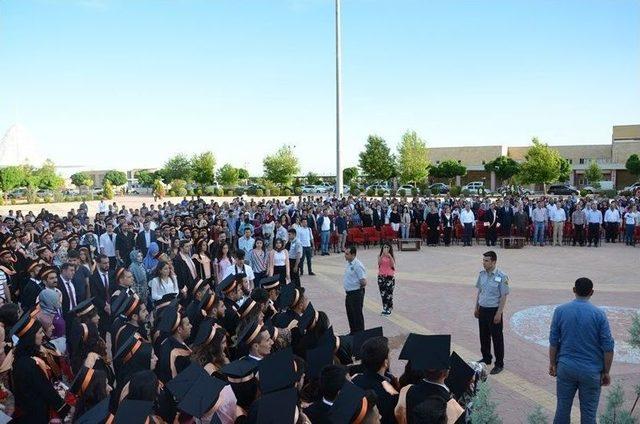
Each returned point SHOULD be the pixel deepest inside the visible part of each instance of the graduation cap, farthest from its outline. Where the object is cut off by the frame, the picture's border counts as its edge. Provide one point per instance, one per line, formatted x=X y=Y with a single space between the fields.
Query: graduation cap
x=5 y=252
x=165 y=301
x=134 y=412
x=82 y=381
x=318 y=358
x=246 y=307
x=350 y=405
x=179 y=385
x=427 y=352
x=118 y=304
x=128 y=349
x=362 y=336
x=278 y=407
x=32 y=264
x=99 y=414
x=26 y=324
x=460 y=375
x=206 y=333
x=249 y=333
x=200 y=284
x=240 y=371
x=228 y=284
x=308 y=319
x=42 y=249
x=84 y=307
x=45 y=271
x=207 y=302
x=289 y=296
x=277 y=371
x=202 y=396
x=269 y=283
x=171 y=318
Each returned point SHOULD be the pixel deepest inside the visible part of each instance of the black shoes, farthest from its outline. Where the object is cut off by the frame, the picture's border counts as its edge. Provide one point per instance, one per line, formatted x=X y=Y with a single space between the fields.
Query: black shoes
x=496 y=370
x=312 y=273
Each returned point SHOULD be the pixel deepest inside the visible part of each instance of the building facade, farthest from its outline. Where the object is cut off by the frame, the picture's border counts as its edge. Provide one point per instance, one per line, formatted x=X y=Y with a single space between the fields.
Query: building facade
x=625 y=141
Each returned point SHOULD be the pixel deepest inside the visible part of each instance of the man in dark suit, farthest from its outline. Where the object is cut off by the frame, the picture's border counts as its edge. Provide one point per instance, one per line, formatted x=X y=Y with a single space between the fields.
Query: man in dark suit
x=505 y=217
x=185 y=268
x=491 y=224
x=332 y=378
x=145 y=238
x=102 y=283
x=66 y=286
x=125 y=242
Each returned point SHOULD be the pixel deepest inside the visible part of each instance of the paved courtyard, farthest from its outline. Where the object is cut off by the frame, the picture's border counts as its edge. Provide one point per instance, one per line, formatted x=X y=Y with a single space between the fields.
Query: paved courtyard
x=435 y=294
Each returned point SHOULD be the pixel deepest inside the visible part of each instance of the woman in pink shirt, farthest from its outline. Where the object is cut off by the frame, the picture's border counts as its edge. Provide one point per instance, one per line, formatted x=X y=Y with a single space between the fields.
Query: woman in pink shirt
x=386 y=277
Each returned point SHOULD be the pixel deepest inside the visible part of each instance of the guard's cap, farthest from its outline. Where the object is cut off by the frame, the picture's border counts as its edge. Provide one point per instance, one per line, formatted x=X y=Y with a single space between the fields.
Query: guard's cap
x=171 y=318
x=249 y=333
x=206 y=332
x=289 y=296
x=228 y=284
x=247 y=307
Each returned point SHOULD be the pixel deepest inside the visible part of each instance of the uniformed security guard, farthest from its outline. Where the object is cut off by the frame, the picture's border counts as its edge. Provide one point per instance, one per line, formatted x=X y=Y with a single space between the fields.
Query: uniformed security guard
x=355 y=280
x=493 y=288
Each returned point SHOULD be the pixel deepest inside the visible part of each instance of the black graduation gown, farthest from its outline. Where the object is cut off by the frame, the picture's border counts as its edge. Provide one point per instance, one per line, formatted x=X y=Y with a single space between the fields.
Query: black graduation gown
x=34 y=394
x=173 y=357
x=419 y=392
x=387 y=395
x=29 y=294
x=231 y=317
x=318 y=412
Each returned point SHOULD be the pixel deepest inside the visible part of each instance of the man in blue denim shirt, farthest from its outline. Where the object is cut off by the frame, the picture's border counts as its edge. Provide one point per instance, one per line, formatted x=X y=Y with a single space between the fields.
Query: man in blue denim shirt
x=580 y=354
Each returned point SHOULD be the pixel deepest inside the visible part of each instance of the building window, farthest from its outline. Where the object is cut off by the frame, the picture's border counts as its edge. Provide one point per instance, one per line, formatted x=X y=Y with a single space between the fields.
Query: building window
x=570 y=161
x=581 y=161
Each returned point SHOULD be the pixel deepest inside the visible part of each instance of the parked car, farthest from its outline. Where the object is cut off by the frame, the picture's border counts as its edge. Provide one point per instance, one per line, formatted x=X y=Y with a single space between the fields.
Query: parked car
x=71 y=192
x=564 y=189
x=439 y=188
x=406 y=187
x=17 y=193
x=44 y=193
x=474 y=187
x=591 y=189
x=376 y=187
x=309 y=188
x=633 y=187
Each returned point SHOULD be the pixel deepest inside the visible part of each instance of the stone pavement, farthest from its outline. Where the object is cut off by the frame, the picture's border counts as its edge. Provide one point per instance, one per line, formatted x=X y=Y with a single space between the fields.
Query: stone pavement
x=435 y=293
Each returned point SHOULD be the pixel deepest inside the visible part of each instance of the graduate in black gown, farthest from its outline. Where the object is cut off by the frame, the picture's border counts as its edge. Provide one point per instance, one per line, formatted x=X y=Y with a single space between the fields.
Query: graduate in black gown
x=36 y=399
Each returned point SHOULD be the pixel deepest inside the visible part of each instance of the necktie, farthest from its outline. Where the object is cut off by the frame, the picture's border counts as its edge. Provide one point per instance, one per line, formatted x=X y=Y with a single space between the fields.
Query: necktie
x=105 y=281
x=72 y=295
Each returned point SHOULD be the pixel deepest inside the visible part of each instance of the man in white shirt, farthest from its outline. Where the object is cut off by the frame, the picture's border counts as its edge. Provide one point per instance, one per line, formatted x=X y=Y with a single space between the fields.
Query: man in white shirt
x=241 y=268
x=631 y=220
x=108 y=245
x=468 y=221
x=612 y=220
x=305 y=237
x=558 y=217
x=103 y=207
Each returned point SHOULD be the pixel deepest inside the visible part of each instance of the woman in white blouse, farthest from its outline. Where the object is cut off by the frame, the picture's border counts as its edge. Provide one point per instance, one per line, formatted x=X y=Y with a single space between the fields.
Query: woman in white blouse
x=164 y=283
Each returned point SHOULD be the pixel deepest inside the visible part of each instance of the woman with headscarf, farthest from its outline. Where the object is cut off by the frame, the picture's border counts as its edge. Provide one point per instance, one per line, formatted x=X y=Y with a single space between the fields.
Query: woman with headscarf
x=150 y=261
x=139 y=272
x=50 y=313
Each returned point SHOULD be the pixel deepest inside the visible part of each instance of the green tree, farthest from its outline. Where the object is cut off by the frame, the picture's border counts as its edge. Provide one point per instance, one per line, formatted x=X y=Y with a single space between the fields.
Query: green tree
x=613 y=411
x=413 y=159
x=11 y=177
x=376 y=160
x=448 y=169
x=349 y=174
x=107 y=189
x=542 y=165
x=47 y=178
x=504 y=167
x=565 y=170
x=81 y=179
x=312 y=178
x=179 y=187
x=115 y=177
x=243 y=174
x=281 y=166
x=228 y=175
x=202 y=168
x=177 y=167
x=633 y=165
x=484 y=409
x=147 y=178
x=593 y=174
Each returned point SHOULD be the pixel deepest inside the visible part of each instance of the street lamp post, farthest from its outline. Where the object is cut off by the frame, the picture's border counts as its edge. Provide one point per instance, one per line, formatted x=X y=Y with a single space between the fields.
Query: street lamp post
x=338 y=106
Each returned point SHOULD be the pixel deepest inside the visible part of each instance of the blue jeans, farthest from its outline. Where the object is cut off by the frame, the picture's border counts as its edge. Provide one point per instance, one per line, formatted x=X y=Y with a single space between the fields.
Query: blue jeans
x=588 y=386
x=538 y=233
x=405 y=231
x=628 y=233
x=324 y=241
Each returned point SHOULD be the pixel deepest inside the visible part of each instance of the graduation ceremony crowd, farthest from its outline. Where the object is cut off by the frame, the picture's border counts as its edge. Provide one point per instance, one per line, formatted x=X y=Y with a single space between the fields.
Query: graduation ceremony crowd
x=196 y=312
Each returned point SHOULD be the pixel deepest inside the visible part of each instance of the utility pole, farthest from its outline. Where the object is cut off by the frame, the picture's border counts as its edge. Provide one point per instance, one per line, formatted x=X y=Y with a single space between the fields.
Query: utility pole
x=339 y=188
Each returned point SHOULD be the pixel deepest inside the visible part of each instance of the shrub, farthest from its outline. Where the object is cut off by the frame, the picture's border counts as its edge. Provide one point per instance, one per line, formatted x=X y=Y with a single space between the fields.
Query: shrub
x=238 y=191
x=379 y=192
x=275 y=191
x=197 y=192
x=1 y=201
x=210 y=191
x=610 y=194
x=190 y=192
x=267 y=192
x=58 y=196
x=455 y=190
x=414 y=191
x=626 y=193
x=297 y=191
x=182 y=192
x=286 y=192
x=230 y=193
x=13 y=201
x=393 y=192
x=259 y=192
x=465 y=193
x=371 y=192
x=402 y=192
x=48 y=199
x=219 y=191
x=172 y=193
x=355 y=191
x=583 y=193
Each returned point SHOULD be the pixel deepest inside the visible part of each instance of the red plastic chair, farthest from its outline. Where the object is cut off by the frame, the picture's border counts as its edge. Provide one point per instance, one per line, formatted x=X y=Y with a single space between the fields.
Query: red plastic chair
x=481 y=231
x=388 y=234
x=356 y=235
x=371 y=235
x=424 y=230
x=333 y=241
x=458 y=231
x=567 y=232
x=636 y=235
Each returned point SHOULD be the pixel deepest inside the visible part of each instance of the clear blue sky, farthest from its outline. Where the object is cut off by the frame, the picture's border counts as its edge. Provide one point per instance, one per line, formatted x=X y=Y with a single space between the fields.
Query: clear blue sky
x=144 y=79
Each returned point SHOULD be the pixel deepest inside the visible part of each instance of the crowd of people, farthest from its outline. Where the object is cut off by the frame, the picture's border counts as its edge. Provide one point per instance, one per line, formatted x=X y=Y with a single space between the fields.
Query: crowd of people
x=195 y=311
